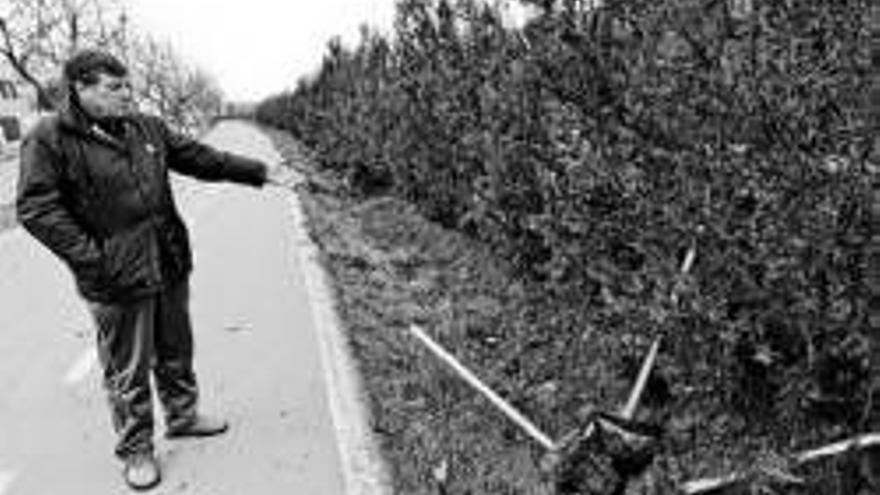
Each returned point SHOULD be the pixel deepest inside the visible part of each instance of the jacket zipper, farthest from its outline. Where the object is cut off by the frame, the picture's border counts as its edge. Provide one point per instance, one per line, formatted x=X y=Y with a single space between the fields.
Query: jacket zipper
x=157 y=276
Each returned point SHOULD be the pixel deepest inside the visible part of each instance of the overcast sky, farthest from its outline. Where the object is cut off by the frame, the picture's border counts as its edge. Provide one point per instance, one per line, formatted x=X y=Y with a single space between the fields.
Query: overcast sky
x=255 y=48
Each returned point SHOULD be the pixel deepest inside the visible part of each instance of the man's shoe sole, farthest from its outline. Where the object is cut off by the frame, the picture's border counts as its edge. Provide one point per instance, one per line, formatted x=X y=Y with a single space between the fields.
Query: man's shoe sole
x=143 y=488
x=184 y=433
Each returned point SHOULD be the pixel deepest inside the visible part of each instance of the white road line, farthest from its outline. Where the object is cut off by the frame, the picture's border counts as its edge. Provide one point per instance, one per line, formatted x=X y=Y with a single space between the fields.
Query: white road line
x=362 y=465
x=81 y=368
x=6 y=479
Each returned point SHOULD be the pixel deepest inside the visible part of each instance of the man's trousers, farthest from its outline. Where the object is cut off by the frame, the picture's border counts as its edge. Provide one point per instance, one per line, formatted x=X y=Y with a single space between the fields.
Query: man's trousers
x=151 y=336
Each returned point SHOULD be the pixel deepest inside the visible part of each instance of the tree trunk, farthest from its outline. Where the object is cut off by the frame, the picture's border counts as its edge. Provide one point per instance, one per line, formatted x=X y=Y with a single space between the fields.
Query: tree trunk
x=44 y=100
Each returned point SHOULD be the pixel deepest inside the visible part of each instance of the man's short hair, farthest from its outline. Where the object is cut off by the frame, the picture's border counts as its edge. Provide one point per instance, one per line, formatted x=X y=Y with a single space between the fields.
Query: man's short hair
x=86 y=66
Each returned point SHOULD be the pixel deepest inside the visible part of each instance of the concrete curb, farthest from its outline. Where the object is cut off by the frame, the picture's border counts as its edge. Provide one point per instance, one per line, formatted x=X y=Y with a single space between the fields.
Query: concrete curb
x=362 y=465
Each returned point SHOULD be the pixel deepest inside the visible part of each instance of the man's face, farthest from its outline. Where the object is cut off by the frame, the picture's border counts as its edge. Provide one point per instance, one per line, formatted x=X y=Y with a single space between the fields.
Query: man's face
x=109 y=97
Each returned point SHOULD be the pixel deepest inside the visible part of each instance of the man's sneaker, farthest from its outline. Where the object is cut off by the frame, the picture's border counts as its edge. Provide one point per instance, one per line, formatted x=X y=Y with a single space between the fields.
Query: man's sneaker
x=198 y=426
x=141 y=471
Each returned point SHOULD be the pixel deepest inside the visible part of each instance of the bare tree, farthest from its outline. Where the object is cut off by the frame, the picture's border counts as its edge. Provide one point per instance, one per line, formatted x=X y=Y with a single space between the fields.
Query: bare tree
x=36 y=36
x=187 y=97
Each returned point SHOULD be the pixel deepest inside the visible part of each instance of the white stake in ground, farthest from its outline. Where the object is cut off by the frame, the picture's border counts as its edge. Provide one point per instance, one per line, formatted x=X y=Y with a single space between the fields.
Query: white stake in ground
x=517 y=417
x=707 y=485
x=508 y=410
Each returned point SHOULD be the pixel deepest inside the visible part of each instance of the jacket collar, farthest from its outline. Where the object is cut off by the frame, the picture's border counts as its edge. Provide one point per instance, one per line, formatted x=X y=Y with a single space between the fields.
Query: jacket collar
x=74 y=119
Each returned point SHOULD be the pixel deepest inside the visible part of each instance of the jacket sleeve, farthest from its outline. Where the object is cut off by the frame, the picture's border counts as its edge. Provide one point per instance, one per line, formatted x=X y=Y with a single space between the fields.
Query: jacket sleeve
x=42 y=210
x=189 y=157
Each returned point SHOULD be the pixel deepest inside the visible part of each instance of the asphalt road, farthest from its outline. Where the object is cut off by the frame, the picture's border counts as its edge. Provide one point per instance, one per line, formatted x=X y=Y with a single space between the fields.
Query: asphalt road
x=258 y=356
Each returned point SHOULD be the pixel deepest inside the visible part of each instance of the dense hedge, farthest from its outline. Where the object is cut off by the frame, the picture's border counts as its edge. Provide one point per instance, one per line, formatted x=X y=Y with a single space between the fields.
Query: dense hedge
x=595 y=147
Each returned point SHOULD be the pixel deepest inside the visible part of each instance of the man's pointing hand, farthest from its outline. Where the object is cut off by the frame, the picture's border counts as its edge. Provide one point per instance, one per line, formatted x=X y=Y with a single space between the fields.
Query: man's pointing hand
x=280 y=174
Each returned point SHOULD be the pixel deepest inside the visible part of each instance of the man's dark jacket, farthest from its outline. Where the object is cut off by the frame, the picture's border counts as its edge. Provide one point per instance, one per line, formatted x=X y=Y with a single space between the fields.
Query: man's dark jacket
x=104 y=204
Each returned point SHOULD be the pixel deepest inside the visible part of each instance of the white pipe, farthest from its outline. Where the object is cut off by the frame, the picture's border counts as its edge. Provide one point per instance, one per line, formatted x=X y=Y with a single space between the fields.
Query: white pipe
x=856 y=443
x=475 y=382
x=689 y=258
x=633 y=402
x=704 y=485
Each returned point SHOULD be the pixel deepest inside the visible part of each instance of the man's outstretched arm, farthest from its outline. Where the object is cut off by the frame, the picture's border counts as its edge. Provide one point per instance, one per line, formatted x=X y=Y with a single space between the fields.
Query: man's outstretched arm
x=190 y=157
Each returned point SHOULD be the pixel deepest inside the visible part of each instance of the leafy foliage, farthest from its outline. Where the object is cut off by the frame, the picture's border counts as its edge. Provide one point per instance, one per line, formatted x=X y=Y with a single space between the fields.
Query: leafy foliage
x=594 y=147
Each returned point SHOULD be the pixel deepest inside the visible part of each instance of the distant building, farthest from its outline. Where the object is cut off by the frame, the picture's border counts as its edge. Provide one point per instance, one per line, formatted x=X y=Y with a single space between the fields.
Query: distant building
x=18 y=104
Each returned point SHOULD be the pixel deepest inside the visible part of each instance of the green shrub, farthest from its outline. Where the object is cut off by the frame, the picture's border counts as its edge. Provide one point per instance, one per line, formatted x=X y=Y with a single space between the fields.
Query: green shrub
x=595 y=147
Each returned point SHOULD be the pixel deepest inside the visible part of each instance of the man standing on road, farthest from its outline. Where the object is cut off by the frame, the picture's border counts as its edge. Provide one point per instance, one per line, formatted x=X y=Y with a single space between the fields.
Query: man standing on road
x=94 y=189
